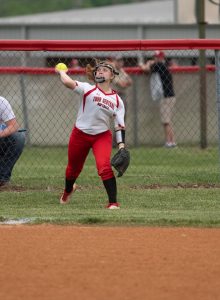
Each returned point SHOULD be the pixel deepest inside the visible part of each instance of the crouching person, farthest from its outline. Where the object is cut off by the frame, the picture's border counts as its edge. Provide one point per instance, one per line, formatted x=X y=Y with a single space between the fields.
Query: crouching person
x=11 y=141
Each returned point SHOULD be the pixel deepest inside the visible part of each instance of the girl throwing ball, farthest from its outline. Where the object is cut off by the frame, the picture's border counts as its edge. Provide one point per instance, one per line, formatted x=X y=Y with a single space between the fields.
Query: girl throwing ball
x=99 y=105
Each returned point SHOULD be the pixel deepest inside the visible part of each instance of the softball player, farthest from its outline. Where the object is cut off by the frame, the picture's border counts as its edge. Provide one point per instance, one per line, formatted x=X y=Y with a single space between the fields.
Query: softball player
x=99 y=105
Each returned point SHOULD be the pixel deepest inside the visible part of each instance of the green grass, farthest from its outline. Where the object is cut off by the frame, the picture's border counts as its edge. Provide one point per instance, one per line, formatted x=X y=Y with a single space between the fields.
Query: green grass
x=177 y=187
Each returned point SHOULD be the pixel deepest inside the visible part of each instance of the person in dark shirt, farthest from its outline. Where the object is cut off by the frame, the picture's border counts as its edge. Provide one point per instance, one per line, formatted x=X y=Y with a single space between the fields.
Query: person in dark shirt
x=159 y=66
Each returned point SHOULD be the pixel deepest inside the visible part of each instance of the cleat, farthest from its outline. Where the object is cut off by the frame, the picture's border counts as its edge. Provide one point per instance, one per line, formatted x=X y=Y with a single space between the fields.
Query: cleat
x=66 y=197
x=113 y=206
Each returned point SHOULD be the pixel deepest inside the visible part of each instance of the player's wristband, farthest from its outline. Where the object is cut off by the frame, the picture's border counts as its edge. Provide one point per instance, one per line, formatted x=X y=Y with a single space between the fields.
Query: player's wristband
x=120 y=136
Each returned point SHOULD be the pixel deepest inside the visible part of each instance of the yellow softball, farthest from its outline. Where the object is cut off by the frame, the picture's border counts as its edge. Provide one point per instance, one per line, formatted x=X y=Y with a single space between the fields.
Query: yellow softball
x=61 y=67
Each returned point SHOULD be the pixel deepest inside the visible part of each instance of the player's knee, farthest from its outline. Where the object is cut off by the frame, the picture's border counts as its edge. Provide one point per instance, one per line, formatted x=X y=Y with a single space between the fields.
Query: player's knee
x=105 y=172
x=72 y=172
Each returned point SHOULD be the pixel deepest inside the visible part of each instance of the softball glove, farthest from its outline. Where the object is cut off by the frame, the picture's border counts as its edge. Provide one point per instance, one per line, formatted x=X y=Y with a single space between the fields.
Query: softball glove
x=120 y=161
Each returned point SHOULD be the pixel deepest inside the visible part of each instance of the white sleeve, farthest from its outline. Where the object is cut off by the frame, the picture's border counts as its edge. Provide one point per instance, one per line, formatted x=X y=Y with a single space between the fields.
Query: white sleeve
x=82 y=87
x=6 y=112
x=120 y=115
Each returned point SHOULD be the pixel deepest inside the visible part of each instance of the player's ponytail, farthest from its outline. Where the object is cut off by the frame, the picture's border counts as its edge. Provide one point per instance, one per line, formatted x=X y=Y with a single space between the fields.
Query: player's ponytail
x=90 y=72
x=90 y=69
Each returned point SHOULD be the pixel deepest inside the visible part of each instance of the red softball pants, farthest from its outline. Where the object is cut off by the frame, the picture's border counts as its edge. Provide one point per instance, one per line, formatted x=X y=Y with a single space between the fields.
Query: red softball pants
x=79 y=146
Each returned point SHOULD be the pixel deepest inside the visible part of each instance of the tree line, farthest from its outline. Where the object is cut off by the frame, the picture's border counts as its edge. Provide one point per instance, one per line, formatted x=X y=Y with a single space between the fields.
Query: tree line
x=24 y=7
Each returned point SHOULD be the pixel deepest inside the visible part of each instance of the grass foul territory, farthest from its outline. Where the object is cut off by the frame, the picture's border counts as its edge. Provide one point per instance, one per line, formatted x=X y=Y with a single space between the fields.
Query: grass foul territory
x=179 y=189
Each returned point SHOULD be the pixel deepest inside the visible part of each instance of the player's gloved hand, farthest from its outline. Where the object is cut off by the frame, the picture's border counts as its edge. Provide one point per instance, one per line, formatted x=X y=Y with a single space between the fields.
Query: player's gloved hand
x=120 y=161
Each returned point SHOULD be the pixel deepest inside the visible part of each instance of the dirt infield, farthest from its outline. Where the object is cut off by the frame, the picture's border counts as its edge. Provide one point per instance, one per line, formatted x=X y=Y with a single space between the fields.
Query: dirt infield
x=108 y=263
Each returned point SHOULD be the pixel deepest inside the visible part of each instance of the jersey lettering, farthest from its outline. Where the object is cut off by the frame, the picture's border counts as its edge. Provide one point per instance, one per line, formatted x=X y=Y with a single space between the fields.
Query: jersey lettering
x=97 y=99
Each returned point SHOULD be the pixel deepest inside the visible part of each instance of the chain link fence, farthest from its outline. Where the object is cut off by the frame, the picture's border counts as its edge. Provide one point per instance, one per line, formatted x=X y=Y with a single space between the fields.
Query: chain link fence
x=47 y=110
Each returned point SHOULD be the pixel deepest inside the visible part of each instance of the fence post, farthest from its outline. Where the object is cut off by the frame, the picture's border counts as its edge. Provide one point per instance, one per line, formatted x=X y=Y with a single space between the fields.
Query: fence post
x=135 y=112
x=203 y=101
x=23 y=92
x=217 y=73
x=24 y=108
x=200 y=14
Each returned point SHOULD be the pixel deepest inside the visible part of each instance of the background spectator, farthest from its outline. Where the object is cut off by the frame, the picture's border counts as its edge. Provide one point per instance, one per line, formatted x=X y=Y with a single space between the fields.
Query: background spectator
x=123 y=81
x=167 y=99
x=74 y=64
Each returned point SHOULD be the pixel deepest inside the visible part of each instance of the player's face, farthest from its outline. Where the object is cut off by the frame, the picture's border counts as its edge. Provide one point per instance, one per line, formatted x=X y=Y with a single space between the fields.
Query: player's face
x=104 y=72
